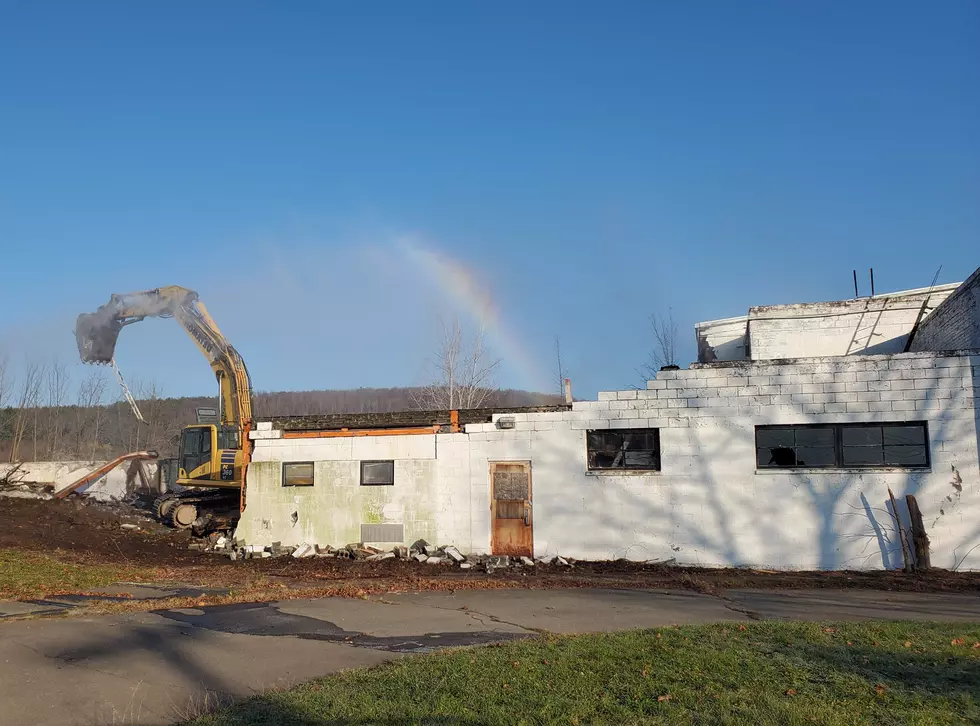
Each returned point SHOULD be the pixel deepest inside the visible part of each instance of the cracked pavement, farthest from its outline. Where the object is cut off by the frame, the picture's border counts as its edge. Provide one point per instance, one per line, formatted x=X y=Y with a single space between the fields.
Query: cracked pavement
x=160 y=667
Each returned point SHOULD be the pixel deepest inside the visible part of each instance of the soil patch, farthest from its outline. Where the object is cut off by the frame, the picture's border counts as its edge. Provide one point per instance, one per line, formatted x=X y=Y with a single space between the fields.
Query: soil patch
x=90 y=533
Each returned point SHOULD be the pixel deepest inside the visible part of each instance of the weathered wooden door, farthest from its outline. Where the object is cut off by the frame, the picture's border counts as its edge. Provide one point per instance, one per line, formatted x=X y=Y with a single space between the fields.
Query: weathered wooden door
x=511 y=519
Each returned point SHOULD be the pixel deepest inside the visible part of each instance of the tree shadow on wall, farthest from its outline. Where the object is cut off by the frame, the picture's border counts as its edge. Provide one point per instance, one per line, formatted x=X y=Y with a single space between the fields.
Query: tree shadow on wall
x=664 y=527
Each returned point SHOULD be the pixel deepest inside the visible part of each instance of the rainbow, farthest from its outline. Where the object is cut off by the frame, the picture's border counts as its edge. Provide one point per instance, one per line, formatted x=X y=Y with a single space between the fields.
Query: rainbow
x=467 y=292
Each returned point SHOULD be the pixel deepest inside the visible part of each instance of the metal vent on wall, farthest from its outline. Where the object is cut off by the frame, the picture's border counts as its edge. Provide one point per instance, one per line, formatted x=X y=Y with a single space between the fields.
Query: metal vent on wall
x=382 y=533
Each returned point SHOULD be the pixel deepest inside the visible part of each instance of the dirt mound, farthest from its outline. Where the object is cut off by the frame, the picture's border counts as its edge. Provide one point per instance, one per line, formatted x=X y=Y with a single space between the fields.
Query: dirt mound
x=90 y=532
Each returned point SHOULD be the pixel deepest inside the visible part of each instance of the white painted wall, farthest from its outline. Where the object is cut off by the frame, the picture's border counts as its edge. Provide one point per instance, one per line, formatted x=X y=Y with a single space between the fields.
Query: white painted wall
x=875 y=325
x=707 y=506
x=115 y=485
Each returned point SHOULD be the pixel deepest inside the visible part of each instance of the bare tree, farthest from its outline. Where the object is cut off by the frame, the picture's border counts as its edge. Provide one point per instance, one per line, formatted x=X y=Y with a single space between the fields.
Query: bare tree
x=90 y=395
x=561 y=373
x=56 y=395
x=664 y=352
x=462 y=371
x=27 y=403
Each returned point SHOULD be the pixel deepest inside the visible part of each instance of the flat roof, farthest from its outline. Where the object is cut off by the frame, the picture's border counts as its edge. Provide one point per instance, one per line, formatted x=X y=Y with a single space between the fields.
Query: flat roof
x=396 y=419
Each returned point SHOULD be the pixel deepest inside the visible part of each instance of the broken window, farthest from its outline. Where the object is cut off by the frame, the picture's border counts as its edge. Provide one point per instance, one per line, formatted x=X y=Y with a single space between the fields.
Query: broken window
x=829 y=446
x=636 y=449
x=377 y=473
x=297 y=474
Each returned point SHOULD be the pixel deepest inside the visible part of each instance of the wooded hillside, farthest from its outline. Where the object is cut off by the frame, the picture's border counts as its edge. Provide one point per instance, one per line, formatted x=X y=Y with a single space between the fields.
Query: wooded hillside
x=92 y=430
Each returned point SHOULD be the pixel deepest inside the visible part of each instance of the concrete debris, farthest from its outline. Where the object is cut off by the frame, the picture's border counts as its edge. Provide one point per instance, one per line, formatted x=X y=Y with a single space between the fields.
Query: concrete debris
x=527 y=561
x=420 y=557
x=433 y=560
x=304 y=550
x=419 y=546
x=466 y=565
x=401 y=552
x=129 y=526
x=453 y=554
x=431 y=549
x=561 y=561
x=382 y=556
x=221 y=542
x=546 y=559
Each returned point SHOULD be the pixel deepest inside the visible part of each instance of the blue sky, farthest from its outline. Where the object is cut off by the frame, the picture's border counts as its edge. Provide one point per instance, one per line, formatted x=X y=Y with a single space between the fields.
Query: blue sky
x=588 y=163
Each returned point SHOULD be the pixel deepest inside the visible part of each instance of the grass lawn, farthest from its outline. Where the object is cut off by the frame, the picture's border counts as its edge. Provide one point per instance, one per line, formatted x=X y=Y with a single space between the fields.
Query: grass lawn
x=34 y=575
x=761 y=673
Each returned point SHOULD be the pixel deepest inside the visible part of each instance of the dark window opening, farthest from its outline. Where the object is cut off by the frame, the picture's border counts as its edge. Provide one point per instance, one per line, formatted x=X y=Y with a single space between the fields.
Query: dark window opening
x=377 y=473
x=195 y=448
x=227 y=438
x=297 y=474
x=637 y=449
x=836 y=446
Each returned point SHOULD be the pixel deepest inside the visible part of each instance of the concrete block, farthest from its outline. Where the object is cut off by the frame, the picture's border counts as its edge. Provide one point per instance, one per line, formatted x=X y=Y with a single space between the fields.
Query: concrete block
x=606 y=395
x=263 y=426
x=856 y=386
x=857 y=407
x=656 y=385
x=625 y=395
x=454 y=554
x=304 y=550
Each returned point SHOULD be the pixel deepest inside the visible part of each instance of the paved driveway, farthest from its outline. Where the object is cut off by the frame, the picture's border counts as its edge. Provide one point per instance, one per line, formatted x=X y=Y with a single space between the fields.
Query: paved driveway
x=157 y=668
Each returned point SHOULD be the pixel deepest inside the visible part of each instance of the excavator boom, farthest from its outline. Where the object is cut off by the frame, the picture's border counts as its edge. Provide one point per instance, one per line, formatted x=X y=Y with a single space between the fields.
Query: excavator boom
x=212 y=456
x=97 y=333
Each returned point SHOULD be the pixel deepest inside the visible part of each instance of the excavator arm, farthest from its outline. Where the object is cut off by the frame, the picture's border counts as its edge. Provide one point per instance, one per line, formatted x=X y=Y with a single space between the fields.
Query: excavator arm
x=96 y=334
x=210 y=456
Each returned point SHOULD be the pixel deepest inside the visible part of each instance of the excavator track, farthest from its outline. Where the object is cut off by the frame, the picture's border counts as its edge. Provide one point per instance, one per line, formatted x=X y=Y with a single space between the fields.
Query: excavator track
x=181 y=510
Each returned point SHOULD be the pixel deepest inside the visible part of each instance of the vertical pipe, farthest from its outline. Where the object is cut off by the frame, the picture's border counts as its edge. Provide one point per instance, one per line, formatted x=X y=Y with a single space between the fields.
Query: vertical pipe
x=872 y=281
x=856 y=284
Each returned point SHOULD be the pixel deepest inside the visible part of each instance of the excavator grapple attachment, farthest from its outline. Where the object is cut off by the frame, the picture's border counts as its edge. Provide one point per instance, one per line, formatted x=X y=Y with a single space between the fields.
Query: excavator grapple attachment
x=96 y=334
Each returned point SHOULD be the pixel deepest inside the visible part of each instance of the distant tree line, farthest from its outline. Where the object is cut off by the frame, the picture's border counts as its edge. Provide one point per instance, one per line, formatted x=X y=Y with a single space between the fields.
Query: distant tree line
x=43 y=417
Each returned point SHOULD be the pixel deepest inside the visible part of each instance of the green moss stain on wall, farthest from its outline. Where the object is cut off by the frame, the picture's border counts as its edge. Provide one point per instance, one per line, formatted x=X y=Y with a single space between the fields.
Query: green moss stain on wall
x=334 y=508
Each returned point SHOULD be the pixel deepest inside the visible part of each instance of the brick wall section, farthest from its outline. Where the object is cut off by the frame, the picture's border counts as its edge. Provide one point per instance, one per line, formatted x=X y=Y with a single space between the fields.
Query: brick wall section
x=954 y=325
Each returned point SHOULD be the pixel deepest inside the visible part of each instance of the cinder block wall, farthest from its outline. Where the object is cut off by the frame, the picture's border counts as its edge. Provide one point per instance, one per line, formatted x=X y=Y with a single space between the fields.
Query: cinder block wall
x=708 y=505
x=955 y=325
x=878 y=325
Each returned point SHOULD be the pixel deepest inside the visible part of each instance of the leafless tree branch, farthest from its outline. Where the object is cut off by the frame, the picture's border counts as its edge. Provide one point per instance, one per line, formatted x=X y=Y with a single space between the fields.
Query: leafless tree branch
x=461 y=371
x=664 y=351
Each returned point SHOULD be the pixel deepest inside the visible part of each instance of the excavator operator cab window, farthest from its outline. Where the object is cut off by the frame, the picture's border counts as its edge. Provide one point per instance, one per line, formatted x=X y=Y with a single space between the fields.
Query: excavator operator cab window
x=195 y=448
x=228 y=438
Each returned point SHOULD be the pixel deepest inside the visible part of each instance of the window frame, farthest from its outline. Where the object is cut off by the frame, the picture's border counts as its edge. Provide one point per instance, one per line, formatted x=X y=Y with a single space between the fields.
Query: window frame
x=391 y=483
x=838 y=448
x=624 y=469
x=285 y=480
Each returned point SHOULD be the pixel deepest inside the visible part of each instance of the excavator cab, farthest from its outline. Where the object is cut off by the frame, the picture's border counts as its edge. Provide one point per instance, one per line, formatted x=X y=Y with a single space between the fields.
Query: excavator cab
x=210 y=456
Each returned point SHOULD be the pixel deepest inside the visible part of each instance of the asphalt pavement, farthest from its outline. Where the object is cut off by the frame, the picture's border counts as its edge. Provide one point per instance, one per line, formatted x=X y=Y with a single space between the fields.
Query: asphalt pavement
x=164 y=666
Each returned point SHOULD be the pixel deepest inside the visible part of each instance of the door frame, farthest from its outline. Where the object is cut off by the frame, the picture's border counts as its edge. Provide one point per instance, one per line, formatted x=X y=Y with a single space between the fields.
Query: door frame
x=529 y=502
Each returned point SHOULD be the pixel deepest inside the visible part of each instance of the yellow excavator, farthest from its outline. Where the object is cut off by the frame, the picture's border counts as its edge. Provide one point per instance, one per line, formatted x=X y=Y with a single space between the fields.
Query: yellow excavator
x=213 y=456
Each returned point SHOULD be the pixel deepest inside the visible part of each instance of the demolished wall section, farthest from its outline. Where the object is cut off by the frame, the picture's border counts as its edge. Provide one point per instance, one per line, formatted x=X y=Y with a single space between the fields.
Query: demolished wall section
x=44 y=478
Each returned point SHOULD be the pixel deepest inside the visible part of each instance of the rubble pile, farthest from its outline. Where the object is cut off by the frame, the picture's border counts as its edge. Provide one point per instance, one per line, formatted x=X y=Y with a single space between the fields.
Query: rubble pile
x=421 y=552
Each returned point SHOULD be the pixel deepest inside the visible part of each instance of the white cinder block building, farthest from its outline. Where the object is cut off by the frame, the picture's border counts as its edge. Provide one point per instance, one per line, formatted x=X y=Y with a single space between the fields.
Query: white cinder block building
x=777 y=449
